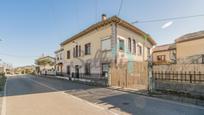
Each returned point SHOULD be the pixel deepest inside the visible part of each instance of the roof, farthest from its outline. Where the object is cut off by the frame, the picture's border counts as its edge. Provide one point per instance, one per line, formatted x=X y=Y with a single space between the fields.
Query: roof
x=61 y=49
x=190 y=36
x=165 y=47
x=113 y=19
x=46 y=57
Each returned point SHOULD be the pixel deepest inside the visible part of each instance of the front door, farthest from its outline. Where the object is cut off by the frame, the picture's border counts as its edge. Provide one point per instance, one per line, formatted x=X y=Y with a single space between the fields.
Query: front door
x=77 y=71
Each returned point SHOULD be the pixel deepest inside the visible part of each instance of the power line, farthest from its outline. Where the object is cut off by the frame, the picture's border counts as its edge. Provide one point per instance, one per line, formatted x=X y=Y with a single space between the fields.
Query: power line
x=166 y=19
x=121 y=4
x=17 y=56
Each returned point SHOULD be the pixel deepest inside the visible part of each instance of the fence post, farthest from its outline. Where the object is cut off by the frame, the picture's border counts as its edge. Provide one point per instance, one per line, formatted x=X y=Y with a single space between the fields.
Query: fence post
x=194 y=77
x=151 y=80
x=190 y=77
x=199 y=77
x=173 y=76
x=176 y=75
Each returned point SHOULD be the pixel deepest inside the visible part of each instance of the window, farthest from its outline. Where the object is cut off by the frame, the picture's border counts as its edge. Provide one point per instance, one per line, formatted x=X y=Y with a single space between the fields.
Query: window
x=161 y=58
x=76 y=55
x=73 y=52
x=134 y=46
x=148 y=52
x=129 y=45
x=87 y=68
x=57 y=57
x=68 y=70
x=139 y=50
x=87 y=48
x=68 y=54
x=121 y=45
x=106 y=44
x=60 y=56
x=79 y=50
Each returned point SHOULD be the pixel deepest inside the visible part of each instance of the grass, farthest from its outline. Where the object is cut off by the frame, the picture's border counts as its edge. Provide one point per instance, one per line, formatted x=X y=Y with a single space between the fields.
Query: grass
x=2 y=81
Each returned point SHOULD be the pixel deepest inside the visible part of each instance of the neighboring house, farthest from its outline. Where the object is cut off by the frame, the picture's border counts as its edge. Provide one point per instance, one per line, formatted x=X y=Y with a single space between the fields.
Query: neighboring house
x=164 y=54
x=45 y=65
x=190 y=48
x=187 y=49
x=111 y=40
x=59 y=55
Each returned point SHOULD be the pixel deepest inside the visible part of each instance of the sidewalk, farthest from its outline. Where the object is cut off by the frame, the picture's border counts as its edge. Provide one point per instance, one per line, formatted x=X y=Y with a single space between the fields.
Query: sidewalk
x=160 y=95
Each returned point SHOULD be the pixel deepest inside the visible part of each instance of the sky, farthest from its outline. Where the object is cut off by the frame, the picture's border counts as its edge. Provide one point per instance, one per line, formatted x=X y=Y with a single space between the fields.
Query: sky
x=30 y=28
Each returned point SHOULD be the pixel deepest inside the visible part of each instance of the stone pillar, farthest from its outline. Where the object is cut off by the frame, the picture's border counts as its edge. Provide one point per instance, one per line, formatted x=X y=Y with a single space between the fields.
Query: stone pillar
x=151 y=81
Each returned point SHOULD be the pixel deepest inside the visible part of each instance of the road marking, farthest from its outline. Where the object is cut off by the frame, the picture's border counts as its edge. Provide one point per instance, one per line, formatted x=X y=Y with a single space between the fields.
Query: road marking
x=153 y=98
x=3 y=109
x=79 y=99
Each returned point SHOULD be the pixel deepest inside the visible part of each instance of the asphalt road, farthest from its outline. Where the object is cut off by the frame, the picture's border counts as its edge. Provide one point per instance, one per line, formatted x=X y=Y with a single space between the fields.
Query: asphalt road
x=29 y=95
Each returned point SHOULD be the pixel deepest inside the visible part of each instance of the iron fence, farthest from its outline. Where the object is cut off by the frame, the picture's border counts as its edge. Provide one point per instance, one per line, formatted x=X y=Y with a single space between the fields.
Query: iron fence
x=190 y=77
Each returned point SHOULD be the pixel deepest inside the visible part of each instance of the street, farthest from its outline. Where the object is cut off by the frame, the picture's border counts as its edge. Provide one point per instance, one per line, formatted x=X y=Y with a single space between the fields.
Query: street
x=30 y=95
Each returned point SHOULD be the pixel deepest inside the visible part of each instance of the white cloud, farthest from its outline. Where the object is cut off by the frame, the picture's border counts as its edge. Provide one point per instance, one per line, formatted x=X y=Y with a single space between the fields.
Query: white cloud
x=166 y=25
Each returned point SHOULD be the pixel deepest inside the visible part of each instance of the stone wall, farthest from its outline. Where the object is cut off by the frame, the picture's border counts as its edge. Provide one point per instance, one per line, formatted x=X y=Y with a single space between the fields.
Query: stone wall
x=193 y=89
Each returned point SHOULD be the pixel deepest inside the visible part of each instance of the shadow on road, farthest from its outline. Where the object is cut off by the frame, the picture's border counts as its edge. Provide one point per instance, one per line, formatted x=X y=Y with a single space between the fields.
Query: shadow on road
x=113 y=99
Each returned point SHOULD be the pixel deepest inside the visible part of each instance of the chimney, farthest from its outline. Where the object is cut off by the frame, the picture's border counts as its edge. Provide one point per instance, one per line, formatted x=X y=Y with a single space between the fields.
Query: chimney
x=103 y=17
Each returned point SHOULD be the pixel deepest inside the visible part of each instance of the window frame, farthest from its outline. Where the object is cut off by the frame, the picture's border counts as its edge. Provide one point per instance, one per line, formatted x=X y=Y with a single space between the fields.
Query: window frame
x=140 y=52
x=129 y=45
x=161 y=58
x=134 y=46
x=123 y=41
x=68 y=54
x=87 y=48
x=104 y=39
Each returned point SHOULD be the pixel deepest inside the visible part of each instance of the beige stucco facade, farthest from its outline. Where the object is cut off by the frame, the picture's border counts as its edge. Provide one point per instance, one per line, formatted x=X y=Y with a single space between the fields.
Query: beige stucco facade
x=112 y=32
x=190 y=48
x=94 y=38
x=169 y=56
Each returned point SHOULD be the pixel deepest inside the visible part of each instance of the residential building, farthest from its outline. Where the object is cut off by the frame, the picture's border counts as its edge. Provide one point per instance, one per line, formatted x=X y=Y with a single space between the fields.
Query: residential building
x=187 y=49
x=59 y=55
x=190 y=48
x=164 y=54
x=111 y=40
x=45 y=65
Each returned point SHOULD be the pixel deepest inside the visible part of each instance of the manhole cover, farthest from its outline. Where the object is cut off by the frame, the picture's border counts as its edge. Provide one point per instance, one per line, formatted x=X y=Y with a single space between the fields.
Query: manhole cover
x=125 y=103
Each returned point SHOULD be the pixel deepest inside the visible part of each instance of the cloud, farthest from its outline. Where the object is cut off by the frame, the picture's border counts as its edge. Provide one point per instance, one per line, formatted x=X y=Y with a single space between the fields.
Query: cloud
x=166 y=25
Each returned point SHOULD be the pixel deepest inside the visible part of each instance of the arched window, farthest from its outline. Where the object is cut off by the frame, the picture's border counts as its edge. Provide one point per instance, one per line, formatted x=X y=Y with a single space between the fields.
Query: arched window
x=129 y=45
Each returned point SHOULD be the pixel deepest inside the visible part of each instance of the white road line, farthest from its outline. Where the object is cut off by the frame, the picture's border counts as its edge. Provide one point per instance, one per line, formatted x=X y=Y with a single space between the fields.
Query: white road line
x=153 y=98
x=3 y=109
x=79 y=99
